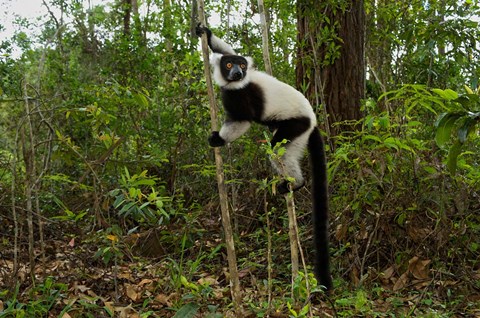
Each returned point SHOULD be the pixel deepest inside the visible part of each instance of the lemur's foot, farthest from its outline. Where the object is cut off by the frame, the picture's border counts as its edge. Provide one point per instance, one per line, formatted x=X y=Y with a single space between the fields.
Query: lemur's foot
x=284 y=187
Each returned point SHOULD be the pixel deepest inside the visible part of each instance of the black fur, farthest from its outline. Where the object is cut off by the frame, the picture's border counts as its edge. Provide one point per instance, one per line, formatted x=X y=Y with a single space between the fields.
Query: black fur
x=199 y=30
x=320 y=208
x=215 y=140
x=244 y=104
x=288 y=129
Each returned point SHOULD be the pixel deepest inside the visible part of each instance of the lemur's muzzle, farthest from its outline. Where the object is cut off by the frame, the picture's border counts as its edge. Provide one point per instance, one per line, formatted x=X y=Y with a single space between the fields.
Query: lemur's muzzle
x=235 y=74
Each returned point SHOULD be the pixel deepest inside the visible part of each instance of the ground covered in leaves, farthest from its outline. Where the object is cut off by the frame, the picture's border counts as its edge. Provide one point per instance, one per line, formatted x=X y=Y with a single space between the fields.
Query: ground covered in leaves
x=103 y=275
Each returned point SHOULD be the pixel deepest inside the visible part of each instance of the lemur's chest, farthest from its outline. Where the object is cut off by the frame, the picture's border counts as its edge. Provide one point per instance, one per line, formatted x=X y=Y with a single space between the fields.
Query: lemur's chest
x=244 y=104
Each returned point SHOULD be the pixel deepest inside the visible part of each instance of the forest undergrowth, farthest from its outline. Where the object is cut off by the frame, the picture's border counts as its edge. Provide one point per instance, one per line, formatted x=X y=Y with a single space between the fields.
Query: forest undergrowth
x=404 y=242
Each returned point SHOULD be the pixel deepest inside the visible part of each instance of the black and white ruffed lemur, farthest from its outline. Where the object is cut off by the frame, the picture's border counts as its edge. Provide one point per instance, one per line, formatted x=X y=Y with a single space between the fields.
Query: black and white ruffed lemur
x=248 y=96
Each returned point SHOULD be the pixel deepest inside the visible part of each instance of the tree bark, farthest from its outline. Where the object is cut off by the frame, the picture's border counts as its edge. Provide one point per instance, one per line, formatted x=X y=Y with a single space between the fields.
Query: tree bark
x=338 y=82
x=127 y=11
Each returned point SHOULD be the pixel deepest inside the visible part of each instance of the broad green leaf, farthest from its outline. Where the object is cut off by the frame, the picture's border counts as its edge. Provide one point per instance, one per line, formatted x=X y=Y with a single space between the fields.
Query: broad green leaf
x=447 y=94
x=384 y=122
x=118 y=201
x=147 y=182
x=126 y=207
x=444 y=126
x=452 y=157
x=469 y=101
x=468 y=89
x=141 y=99
x=187 y=311
x=372 y=137
x=466 y=128
x=414 y=123
x=391 y=142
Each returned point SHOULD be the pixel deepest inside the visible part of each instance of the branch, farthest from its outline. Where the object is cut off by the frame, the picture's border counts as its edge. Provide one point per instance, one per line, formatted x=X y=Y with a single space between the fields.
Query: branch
x=227 y=226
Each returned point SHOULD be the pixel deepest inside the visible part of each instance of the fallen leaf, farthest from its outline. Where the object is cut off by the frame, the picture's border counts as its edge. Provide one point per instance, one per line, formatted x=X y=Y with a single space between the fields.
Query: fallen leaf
x=341 y=232
x=418 y=234
x=476 y=274
x=419 y=268
x=446 y=283
x=125 y=275
x=145 y=281
x=163 y=299
x=209 y=281
x=218 y=293
x=126 y=312
x=81 y=288
x=420 y=284
x=132 y=292
x=91 y=293
x=244 y=272
x=388 y=273
x=109 y=306
x=65 y=315
x=401 y=282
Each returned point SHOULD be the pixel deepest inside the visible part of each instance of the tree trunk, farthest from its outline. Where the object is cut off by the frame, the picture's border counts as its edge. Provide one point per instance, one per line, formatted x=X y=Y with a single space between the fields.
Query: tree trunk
x=127 y=11
x=333 y=77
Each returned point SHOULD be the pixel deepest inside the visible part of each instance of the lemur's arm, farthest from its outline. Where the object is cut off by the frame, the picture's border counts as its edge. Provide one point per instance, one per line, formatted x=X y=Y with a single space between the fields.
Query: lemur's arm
x=231 y=131
x=216 y=44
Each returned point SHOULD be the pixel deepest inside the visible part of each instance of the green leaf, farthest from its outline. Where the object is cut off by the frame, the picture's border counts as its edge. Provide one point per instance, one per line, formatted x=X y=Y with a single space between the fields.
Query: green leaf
x=447 y=94
x=126 y=207
x=468 y=125
x=187 y=311
x=141 y=99
x=414 y=123
x=444 y=126
x=391 y=142
x=468 y=89
x=452 y=157
x=304 y=311
x=118 y=201
x=371 y=137
x=469 y=101
x=146 y=182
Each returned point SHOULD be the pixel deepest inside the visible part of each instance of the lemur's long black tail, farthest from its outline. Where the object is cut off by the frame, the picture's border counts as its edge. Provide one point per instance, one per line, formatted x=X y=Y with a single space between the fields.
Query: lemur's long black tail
x=320 y=208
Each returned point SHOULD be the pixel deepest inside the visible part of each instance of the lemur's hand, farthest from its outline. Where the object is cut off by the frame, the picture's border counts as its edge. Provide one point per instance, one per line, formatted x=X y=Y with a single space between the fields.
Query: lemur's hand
x=215 y=140
x=200 y=30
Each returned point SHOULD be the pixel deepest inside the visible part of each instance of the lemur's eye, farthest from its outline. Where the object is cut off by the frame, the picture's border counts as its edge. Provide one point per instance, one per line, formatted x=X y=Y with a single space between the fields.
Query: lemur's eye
x=229 y=66
x=243 y=66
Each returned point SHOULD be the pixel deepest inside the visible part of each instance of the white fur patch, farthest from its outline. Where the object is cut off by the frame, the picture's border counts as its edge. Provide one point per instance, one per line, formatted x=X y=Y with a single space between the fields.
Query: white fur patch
x=282 y=101
x=289 y=164
x=217 y=74
x=221 y=46
x=232 y=130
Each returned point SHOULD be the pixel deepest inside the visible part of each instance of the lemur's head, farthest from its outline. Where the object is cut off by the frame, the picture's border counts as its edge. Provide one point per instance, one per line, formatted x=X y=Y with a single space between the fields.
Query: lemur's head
x=233 y=67
x=231 y=71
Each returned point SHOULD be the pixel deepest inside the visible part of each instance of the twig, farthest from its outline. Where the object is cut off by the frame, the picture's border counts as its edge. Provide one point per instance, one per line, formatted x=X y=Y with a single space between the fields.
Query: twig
x=293 y=235
x=30 y=176
x=265 y=46
x=269 y=255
